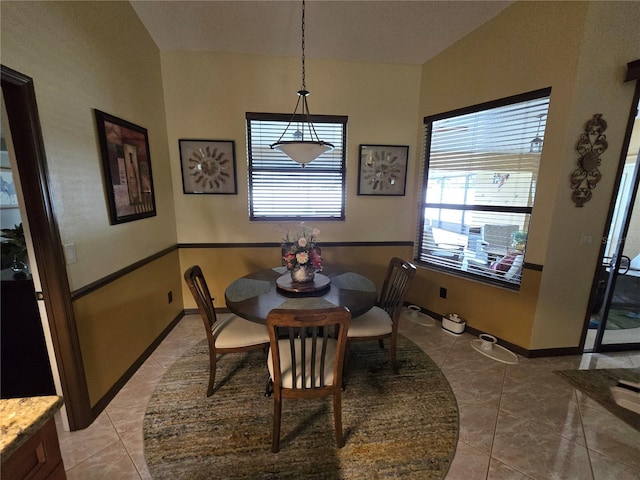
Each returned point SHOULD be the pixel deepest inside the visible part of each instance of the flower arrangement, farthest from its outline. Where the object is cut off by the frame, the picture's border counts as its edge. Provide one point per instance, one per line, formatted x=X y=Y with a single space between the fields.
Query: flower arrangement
x=300 y=249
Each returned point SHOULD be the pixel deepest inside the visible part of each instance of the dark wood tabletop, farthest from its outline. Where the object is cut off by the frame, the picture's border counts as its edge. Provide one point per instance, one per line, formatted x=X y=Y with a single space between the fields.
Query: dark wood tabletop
x=256 y=294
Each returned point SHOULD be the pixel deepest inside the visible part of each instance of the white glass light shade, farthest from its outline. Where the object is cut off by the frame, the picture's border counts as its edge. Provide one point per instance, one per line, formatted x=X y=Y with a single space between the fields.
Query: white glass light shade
x=303 y=152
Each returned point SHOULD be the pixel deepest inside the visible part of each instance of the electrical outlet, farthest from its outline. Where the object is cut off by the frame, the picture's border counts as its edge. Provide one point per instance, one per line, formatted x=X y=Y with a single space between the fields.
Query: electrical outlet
x=170 y=296
x=443 y=292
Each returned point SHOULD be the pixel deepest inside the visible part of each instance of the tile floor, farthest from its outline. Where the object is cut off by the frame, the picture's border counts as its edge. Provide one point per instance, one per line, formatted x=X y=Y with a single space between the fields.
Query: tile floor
x=517 y=422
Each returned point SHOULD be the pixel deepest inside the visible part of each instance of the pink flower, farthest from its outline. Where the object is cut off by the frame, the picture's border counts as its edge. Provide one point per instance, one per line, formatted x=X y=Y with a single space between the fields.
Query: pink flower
x=302 y=242
x=302 y=257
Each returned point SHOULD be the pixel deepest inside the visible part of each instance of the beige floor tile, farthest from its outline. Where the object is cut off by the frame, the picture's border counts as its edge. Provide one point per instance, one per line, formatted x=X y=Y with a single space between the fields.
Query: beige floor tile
x=608 y=435
x=468 y=464
x=111 y=463
x=543 y=398
x=606 y=469
x=534 y=450
x=78 y=446
x=134 y=443
x=477 y=421
x=517 y=422
x=500 y=471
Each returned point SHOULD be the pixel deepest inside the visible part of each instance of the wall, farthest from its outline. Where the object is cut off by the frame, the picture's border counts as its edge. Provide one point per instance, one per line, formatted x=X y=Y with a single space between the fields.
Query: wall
x=532 y=45
x=86 y=55
x=207 y=96
x=97 y=55
x=612 y=40
x=223 y=265
x=104 y=60
x=118 y=322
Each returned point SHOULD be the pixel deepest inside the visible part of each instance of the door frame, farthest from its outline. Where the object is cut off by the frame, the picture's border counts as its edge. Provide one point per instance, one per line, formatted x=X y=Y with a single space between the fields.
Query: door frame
x=22 y=113
x=633 y=73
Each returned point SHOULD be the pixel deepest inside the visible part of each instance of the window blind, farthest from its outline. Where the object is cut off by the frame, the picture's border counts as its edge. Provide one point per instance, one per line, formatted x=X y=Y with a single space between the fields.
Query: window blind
x=480 y=177
x=281 y=189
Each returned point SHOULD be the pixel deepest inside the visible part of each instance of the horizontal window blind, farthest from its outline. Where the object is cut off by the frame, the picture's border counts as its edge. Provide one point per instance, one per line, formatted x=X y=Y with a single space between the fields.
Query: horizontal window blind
x=282 y=189
x=481 y=171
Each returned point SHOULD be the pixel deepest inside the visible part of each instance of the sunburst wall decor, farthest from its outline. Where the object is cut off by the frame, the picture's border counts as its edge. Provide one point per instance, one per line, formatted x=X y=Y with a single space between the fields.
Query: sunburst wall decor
x=383 y=169
x=208 y=166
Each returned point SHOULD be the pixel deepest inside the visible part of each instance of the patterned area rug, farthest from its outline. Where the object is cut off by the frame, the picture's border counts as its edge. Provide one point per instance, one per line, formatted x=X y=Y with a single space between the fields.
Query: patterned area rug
x=596 y=384
x=402 y=425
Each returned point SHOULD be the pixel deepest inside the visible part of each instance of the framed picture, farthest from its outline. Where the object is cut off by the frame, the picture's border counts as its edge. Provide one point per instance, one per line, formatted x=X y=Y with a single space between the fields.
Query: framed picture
x=8 y=196
x=127 y=168
x=208 y=166
x=383 y=169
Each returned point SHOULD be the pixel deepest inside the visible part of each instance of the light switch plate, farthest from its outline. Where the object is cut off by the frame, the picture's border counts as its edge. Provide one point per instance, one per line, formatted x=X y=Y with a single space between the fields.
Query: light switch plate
x=70 y=253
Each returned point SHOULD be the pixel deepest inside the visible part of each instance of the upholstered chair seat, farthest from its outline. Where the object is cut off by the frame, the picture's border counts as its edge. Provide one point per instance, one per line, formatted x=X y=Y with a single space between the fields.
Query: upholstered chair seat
x=376 y=322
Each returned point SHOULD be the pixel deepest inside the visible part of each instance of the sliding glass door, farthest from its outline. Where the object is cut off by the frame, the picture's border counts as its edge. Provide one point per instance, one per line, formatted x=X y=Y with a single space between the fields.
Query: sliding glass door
x=615 y=312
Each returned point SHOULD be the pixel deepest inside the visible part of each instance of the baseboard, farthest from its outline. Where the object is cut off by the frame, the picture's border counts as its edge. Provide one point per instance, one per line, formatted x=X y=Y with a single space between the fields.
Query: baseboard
x=538 y=353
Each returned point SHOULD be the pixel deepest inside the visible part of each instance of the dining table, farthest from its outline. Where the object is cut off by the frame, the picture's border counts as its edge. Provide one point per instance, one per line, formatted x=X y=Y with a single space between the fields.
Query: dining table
x=254 y=295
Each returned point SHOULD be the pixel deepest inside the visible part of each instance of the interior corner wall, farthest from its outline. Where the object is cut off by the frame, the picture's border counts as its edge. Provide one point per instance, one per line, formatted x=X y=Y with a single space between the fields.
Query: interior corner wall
x=533 y=45
x=611 y=40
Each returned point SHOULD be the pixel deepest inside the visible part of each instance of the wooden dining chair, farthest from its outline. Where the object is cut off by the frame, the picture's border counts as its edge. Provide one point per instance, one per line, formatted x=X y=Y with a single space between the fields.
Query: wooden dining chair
x=306 y=359
x=381 y=321
x=233 y=334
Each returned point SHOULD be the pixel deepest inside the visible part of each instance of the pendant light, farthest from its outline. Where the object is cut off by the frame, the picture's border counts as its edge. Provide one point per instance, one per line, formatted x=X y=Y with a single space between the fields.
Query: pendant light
x=536 y=143
x=306 y=145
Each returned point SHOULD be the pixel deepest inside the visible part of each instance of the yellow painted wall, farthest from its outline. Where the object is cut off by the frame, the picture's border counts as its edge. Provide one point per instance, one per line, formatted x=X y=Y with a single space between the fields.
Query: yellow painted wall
x=612 y=39
x=119 y=321
x=221 y=266
x=81 y=56
x=207 y=96
x=569 y=47
x=84 y=56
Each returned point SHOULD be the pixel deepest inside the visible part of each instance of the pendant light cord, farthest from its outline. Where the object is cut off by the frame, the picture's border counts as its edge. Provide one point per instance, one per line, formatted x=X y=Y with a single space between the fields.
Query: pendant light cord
x=304 y=86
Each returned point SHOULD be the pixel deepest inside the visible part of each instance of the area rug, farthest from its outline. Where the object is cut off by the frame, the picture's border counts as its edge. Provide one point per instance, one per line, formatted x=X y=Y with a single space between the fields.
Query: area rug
x=402 y=425
x=596 y=384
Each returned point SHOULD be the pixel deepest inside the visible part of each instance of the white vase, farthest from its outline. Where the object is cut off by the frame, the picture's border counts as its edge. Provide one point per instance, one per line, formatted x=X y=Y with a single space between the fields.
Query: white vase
x=302 y=273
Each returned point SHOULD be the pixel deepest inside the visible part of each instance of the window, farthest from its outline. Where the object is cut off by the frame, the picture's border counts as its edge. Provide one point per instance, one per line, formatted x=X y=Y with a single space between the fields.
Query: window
x=281 y=189
x=481 y=169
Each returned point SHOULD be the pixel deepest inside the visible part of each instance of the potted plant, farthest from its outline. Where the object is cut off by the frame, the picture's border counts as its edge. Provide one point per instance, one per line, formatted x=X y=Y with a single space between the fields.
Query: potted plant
x=519 y=240
x=14 y=248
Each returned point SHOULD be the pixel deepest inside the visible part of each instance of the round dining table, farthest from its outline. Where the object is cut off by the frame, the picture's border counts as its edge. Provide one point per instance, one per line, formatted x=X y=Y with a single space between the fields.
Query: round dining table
x=253 y=296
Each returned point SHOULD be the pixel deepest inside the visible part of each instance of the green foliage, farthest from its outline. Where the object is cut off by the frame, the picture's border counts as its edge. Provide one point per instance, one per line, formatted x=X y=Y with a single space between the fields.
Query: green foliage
x=14 y=236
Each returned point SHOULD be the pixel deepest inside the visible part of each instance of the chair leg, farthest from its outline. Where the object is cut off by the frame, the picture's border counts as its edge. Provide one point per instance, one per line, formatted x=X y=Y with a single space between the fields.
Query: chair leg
x=268 y=391
x=277 y=410
x=381 y=343
x=337 y=417
x=212 y=373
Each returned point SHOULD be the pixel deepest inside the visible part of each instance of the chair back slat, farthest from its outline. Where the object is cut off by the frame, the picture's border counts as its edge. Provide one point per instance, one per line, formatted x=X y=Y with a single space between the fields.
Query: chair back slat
x=309 y=333
x=396 y=284
x=200 y=291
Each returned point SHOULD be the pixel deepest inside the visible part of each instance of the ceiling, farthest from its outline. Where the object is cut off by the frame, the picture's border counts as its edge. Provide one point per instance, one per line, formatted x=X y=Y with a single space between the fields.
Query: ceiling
x=389 y=31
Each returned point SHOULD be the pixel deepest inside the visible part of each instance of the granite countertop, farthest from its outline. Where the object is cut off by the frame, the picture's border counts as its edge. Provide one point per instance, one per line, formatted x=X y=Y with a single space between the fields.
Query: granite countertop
x=20 y=418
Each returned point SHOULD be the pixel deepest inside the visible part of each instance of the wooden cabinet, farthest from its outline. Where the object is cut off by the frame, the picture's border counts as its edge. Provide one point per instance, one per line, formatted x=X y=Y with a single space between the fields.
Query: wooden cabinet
x=24 y=362
x=38 y=458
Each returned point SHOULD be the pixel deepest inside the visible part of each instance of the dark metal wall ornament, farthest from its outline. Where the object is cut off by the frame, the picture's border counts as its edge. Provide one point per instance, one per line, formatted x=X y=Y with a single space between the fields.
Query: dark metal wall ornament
x=590 y=146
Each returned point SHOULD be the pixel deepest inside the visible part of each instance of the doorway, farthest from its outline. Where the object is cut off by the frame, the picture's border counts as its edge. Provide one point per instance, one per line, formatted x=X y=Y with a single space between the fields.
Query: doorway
x=614 y=323
x=18 y=95
x=25 y=361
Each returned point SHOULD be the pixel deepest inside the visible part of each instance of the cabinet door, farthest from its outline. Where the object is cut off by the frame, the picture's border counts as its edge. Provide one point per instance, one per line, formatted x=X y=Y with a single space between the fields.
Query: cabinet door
x=26 y=371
